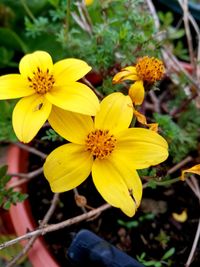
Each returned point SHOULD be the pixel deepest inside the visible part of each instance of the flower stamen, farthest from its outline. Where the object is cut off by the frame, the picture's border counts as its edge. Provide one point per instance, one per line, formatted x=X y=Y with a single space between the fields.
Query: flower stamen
x=100 y=143
x=42 y=82
x=150 y=69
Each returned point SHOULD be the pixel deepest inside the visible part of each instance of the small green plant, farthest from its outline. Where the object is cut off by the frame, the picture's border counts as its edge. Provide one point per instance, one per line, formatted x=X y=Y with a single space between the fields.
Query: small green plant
x=135 y=223
x=165 y=260
x=7 y=195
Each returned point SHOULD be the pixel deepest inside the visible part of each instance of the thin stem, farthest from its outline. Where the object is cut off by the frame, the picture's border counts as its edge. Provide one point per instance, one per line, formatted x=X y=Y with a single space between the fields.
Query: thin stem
x=54 y=227
x=27 y=9
x=26 y=177
x=32 y=150
x=180 y=165
x=32 y=240
x=67 y=19
x=194 y=246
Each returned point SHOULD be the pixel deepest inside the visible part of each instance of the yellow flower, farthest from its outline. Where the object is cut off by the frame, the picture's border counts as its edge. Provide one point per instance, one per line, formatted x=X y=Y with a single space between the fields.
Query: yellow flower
x=43 y=85
x=147 y=71
x=106 y=147
x=89 y=2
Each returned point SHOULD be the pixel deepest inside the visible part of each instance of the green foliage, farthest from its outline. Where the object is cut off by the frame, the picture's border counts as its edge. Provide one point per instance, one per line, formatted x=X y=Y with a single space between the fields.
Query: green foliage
x=165 y=260
x=172 y=35
x=51 y=135
x=7 y=195
x=135 y=223
x=115 y=36
x=181 y=140
x=6 y=134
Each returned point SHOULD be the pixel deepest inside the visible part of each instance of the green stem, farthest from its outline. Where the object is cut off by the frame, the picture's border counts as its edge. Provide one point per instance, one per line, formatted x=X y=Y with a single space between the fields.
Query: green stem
x=168 y=182
x=27 y=9
x=67 y=18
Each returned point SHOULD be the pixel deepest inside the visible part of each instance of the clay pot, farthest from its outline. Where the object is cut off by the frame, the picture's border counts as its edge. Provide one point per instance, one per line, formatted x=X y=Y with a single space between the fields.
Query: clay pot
x=21 y=216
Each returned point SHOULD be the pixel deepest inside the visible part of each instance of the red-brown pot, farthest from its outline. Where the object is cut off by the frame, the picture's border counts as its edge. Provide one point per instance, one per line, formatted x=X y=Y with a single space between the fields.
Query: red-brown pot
x=21 y=216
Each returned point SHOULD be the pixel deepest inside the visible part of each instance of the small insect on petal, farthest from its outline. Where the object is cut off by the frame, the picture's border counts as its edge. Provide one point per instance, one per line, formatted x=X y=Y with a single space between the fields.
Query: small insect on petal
x=38 y=107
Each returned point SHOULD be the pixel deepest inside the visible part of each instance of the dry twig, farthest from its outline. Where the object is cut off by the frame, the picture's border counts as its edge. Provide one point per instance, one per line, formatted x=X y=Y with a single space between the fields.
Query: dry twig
x=54 y=227
x=33 y=238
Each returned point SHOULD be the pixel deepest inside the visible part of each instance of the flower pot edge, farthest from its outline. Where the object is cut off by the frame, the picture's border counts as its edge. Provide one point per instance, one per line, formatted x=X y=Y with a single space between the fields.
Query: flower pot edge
x=20 y=214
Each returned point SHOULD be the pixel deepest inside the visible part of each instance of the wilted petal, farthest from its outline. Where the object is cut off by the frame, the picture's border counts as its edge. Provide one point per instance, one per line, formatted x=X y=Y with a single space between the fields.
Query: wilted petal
x=128 y=73
x=67 y=167
x=29 y=114
x=195 y=169
x=136 y=92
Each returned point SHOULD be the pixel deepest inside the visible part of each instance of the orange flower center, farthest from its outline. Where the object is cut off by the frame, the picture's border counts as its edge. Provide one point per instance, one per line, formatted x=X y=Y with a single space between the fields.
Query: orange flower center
x=100 y=143
x=42 y=81
x=150 y=69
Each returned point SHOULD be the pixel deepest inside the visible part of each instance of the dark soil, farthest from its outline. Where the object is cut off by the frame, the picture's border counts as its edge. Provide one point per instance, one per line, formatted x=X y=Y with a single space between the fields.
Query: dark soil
x=153 y=231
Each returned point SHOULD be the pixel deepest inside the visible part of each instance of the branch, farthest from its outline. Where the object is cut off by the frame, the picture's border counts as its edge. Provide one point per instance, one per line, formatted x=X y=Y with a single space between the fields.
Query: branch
x=26 y=177
x=32 y=240
x=31 y=150
x=54 y=227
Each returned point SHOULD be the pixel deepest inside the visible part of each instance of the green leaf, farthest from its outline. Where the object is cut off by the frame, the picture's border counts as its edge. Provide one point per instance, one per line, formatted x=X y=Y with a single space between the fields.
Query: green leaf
x=9 y=252
x=3 y=170
x=168 y=254
x=7 y=205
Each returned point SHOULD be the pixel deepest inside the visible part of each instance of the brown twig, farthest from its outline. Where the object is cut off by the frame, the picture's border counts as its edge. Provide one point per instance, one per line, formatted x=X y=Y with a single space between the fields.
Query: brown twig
x=54 y=227
x=100 y=96
x=180 y=165
x=184 y=6
x=194 y=186
x=26 y=177
x=31 y=150
x=155 y=101
x=32 y=240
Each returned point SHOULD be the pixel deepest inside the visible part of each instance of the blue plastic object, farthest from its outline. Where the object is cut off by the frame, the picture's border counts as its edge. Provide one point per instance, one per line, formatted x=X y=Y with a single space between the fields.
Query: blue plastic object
x=89 y=250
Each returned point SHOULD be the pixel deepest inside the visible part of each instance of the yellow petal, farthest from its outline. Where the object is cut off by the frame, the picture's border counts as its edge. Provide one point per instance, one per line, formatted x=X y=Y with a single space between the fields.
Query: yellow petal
x=29 y=114
x=72 y=126
x=31 y=62
x=136 y=92
x=128 y=73
x=141 y=147
x=195 y=169
x=67 y=167
x=182 y=217
x=69 y=70
x=14 y=86
x=88 y=2
x=111 y=185
x=129 y=175
x=76 y=97
x=116 y=113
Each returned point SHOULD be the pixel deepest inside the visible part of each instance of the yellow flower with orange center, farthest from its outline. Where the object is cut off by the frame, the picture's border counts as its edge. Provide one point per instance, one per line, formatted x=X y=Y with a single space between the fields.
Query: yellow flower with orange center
x=42 y=84
x=106 y=147
x=147 y=71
